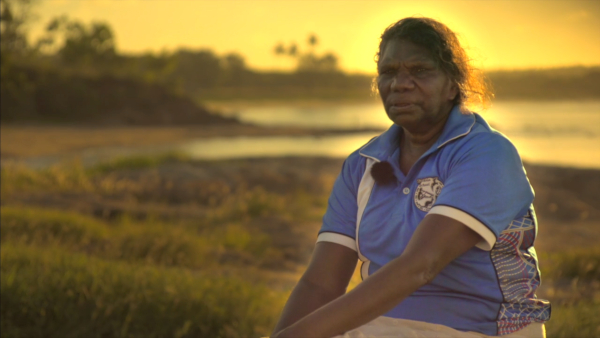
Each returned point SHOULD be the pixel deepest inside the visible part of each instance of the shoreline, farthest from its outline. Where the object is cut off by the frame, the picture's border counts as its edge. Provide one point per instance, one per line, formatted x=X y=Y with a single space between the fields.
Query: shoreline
x=232 y=105
x=51 y=145
x=18 y=142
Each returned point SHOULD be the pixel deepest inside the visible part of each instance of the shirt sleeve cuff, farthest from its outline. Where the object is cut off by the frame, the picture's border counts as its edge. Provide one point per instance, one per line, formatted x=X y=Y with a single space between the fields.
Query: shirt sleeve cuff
x=489 y=239
x=337 y=238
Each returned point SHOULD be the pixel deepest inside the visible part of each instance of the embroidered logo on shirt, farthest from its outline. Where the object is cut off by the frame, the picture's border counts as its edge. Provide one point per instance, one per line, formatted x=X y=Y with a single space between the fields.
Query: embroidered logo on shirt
x=428 y=190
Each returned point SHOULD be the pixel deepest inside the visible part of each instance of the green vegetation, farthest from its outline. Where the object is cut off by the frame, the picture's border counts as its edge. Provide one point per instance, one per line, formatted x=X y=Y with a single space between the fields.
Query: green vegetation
x=583 y=264
x=66 y=274
x=17 y=178
x=51 y=292
x=573 y=278
x=199 y=257
x=137 y=162
x=574 y=320
x=167 y=246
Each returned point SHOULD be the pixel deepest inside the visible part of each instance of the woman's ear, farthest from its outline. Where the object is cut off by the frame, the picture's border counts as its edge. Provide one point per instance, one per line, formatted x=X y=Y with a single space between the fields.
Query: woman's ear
x=453 y=92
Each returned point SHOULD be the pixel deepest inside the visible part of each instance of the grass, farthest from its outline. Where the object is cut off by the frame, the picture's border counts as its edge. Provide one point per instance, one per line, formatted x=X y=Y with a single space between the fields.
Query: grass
x=138 y=178
x=73 y=176
x=66 y=274
x=148 y=242
x=166 y=246
x=137 y=162
x=50 y=292
x=583 y=264
x=575 y=279
x=69 y=271
x=42 y=227
x=575 y=320
x=18 y=178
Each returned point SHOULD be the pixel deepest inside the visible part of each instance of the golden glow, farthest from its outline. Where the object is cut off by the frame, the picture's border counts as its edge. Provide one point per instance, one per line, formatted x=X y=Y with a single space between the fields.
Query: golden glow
x=499 y=34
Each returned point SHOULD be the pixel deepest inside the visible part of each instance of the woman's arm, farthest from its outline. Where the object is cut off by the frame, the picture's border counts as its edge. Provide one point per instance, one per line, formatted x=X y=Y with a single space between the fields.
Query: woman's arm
x=325 y=279
x=437 y=241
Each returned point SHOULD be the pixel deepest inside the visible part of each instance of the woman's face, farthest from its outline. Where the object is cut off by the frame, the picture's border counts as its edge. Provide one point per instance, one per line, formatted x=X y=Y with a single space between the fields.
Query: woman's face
x=415 y=92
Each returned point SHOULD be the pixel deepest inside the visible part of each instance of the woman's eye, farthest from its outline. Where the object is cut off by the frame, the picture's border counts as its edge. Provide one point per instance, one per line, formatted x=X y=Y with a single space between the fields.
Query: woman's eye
x=421 y=71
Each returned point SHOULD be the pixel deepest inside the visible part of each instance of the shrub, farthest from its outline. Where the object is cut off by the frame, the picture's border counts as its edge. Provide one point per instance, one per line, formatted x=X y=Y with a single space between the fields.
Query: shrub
x=52 y=293
x=43 y=226
x=137 y=162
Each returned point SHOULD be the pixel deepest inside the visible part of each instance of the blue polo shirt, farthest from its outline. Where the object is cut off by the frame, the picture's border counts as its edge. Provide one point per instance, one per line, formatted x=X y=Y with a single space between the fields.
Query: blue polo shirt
x=472 y=174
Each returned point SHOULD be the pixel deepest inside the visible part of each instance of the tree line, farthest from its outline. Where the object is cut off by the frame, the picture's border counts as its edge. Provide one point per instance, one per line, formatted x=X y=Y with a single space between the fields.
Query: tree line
x=71 y=50
x=89 y=48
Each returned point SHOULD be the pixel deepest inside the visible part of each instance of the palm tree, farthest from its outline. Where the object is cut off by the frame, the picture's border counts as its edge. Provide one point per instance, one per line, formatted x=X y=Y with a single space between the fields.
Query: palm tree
x=313 y=40
x=279 y=49
x=293 y=51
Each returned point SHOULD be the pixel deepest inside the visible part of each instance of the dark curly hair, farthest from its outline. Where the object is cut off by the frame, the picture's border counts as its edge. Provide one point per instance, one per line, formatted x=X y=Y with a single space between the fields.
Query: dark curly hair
x=445 y=49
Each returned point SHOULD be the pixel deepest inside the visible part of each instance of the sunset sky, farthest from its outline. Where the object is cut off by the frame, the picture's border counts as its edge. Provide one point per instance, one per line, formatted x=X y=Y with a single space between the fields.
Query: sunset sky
x=499 y=34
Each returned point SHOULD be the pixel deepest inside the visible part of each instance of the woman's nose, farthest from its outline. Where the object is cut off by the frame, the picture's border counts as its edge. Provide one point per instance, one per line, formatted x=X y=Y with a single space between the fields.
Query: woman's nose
x=402 y=81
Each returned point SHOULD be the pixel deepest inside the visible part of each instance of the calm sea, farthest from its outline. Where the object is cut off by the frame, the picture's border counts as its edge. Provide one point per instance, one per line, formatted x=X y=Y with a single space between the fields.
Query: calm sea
x=557 y=133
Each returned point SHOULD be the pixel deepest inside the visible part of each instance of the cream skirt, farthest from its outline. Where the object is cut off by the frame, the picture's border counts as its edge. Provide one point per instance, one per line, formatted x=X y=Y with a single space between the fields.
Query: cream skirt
x=393 y=327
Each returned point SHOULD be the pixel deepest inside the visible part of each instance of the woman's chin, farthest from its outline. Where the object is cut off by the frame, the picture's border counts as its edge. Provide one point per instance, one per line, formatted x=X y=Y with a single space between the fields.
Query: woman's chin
x=403 y=116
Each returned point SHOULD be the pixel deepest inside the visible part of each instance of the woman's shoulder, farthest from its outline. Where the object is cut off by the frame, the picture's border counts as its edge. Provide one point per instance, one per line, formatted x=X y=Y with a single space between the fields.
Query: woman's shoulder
x=355 y=164
x=484 y=138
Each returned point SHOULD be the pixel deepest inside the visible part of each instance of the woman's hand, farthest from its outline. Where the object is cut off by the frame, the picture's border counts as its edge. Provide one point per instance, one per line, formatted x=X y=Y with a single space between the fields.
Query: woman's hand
x=280 y=334
x=294 y=332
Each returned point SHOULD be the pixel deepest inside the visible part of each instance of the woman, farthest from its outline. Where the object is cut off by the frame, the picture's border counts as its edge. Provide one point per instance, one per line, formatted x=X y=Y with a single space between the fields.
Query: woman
x=438 y=209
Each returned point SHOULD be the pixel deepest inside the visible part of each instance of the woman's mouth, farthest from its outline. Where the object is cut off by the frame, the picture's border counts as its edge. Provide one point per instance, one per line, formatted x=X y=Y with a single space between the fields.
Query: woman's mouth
x=401 y=106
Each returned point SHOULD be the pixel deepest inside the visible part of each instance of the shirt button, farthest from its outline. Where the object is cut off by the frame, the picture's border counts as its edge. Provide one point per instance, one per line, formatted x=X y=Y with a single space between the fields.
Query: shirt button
x=406 y=191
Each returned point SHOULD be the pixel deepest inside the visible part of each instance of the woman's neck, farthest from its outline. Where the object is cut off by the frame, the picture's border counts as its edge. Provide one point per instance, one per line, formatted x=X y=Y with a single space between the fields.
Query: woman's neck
x=414 y=144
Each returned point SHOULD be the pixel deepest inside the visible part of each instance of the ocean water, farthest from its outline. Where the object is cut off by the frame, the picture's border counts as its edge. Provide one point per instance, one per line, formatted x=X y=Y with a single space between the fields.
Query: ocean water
x=556 y=133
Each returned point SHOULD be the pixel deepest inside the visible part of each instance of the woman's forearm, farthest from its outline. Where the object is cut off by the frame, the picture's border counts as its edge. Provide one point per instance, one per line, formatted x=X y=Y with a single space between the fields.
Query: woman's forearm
x=325 y=279
x=305 y=298
x=372 y=298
